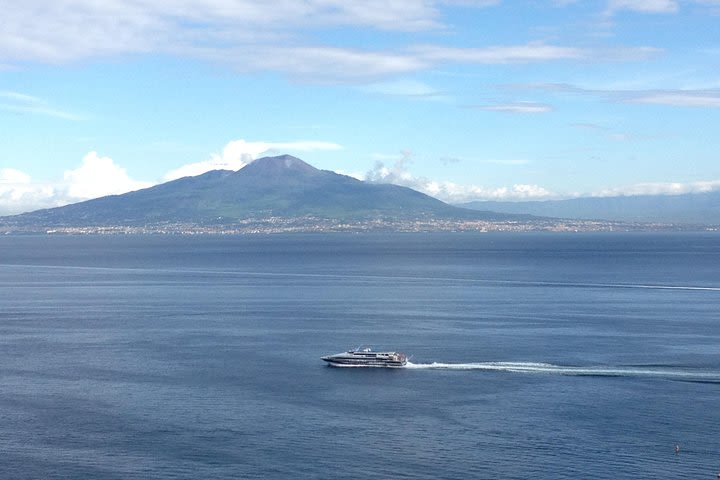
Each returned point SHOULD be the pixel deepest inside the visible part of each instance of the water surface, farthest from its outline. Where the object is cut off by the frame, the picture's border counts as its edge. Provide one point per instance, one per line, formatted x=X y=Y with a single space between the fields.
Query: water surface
x=533 y=356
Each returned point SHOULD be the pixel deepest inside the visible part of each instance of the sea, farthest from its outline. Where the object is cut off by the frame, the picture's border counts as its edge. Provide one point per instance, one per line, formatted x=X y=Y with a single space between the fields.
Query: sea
x=532 y=356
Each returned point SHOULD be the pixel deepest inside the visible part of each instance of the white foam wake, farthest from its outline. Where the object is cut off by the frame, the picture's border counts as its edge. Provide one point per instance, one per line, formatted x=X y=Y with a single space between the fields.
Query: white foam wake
x=678 y=373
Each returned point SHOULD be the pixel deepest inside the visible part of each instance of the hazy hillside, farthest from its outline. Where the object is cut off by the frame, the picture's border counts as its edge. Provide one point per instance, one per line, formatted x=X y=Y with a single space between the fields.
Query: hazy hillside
x=698 y=208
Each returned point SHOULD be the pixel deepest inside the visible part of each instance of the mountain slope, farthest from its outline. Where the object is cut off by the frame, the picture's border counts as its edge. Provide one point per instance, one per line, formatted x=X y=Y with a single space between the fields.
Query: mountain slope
x=282 y=186
x=696 y=208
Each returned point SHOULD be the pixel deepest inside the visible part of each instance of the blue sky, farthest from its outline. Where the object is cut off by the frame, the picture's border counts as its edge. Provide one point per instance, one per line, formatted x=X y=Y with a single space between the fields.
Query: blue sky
x=461 y=99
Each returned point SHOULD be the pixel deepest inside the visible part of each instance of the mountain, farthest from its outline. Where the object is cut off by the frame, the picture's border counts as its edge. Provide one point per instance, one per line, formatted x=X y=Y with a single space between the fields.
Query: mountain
x=693 y=208
x=269 y=188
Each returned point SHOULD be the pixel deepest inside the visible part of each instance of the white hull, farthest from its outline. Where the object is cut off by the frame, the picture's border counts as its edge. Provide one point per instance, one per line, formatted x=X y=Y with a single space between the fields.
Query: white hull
x=345 y=365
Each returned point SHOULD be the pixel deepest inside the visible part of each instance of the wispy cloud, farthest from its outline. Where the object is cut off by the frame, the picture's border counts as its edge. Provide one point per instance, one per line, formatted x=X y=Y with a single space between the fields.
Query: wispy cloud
x=319 y=64
x=704 y=98
x=330 y=64
x=644 y=6
x=405 y=88
x=517 y=107
x=64 y=31
x=255 y=35
x=21 y=103
x=678 y=98
x=534 y=52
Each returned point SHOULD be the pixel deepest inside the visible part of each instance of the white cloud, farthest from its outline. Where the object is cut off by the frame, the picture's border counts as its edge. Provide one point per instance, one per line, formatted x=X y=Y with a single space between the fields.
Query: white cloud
x=10 y=176
x=518 y=107
x=666 y=188
x=679 y=98
x=451 y=192
x=456 y=193
x=644 y=6
x=97 y=177
x=321 y=64
x=700 y=98
x=403 y=15
x=18 y=193
x=238 y=153
x=533 y=52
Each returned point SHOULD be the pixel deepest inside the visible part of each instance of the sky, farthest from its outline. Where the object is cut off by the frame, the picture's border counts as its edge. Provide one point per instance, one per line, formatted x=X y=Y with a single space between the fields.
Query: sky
x=461 y=99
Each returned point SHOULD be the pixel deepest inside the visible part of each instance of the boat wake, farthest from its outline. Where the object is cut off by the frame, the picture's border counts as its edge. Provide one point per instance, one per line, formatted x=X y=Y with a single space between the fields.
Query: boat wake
x=661 y=372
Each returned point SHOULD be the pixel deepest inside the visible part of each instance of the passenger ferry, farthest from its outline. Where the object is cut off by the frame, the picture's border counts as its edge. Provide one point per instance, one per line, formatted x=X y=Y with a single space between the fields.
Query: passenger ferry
x=365 y=357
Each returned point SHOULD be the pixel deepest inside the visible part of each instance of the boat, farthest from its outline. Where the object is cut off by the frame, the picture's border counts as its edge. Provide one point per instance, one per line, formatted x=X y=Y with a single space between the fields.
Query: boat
x=365 y=357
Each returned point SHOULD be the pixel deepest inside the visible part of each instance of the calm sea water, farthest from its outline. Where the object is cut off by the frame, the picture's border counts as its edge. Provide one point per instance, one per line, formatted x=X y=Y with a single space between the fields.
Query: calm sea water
x=533 y=356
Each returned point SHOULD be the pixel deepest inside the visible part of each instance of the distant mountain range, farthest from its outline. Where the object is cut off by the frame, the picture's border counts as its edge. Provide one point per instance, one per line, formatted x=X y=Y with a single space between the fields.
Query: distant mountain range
x=281 y=187
x=694 y=208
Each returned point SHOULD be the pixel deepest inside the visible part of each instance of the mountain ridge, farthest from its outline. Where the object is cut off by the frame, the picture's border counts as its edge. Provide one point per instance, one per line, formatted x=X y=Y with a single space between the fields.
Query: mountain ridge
x=701 y=208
